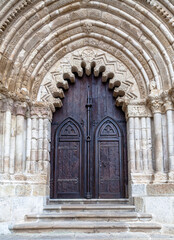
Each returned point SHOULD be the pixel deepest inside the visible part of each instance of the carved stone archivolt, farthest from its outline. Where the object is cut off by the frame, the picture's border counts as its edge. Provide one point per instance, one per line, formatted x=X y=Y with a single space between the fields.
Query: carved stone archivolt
x=87 y=60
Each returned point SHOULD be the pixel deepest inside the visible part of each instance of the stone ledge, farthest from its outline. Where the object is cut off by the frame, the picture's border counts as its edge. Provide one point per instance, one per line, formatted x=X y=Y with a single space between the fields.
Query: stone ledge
x=154 y=189
x=12 y=178
x=21 y=190
x=160 y=189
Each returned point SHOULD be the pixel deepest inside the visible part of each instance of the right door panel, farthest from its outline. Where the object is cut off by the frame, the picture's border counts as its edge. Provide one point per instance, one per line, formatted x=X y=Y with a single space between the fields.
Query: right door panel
x=108 y=155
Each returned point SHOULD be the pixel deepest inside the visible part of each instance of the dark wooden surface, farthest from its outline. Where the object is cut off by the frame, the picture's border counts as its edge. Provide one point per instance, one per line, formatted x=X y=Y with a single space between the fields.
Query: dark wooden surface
x=88 y=153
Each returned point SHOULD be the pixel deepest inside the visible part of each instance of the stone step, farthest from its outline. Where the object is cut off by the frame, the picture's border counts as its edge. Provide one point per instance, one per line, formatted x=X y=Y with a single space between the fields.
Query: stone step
x=91 y=216
x=86 y=236
x=88 y=201
x=87 y=207
x=84 y=227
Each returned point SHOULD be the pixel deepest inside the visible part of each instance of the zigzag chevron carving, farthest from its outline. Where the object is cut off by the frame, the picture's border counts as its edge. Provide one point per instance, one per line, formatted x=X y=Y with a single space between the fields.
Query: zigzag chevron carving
x=88 y=60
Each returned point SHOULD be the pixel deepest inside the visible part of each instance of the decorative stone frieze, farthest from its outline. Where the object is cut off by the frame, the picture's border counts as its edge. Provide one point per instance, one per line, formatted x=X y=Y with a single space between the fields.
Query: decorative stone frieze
x=162 y=10
x=136 y=109
x=14 y=14
x=40 y=111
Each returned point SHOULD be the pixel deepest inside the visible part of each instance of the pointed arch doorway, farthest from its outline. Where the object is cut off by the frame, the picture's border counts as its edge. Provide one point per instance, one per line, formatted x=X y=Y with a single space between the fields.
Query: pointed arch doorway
x=88 y=153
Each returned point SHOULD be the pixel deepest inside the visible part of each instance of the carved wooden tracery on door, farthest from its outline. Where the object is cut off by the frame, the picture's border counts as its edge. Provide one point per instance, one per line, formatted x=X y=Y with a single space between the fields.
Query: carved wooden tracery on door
x=108 y=159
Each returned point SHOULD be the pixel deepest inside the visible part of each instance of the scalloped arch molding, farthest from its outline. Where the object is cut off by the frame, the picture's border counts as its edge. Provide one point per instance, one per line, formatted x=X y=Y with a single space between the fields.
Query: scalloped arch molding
x=85 y=59
x=38 y=36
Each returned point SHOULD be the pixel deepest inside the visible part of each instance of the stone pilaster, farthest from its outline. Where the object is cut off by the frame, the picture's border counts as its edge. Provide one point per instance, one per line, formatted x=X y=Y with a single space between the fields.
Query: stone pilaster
x=40 y=120
x=139 y=140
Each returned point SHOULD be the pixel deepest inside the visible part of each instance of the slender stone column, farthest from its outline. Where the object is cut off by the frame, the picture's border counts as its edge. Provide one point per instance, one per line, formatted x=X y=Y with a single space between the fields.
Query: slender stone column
x=155 y=102
x=13 y=144
x=158 y=142
x=28 y=144
x=149 y=145
x=40 y=145
x=144 y=143
x=21 y=109
x=170 y=130
x=169 y=108
x=137 y=145
x=34 y=140
x=1 y=141
x=47 y=138
x=9 y=107
x=131 y=144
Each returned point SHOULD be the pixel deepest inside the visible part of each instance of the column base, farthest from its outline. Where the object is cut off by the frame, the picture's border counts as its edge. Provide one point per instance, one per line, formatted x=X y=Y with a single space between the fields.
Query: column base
x=160 y=177
x=171 y=177
x=141 y=177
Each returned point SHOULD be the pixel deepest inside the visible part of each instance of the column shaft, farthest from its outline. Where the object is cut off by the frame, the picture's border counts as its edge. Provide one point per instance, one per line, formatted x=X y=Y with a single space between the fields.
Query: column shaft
x=144 y=143
x=149 y=144
x=158 y=142
x=19 y=143
x=40 y=145
x=170 y=134
x=13 y=144
x=7 y=141
x=28 y=145
x=2 y=123
x=137 y=144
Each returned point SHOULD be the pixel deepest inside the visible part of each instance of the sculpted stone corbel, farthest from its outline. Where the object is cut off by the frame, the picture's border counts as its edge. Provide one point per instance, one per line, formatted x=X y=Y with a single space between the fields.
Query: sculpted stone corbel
x=167 y=100
x=154 y=100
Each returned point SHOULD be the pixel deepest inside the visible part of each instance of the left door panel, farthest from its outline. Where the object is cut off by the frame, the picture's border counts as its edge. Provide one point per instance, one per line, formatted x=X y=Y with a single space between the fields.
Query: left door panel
x=68 y=169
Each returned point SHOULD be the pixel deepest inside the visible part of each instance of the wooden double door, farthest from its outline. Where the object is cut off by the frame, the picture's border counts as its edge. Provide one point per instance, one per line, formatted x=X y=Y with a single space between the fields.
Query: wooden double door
x=88 y=143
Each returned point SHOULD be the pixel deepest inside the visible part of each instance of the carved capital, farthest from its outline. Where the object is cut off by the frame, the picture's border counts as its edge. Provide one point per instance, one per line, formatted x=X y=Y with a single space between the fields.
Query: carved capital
x=137 y=109
x=41 y=111
x=155 y=103
x=6 y=104
x=21 y=108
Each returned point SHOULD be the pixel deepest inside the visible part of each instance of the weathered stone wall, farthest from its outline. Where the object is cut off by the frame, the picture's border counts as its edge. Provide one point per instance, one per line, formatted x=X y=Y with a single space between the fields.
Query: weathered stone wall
x=42 y=44
x=24 y=159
